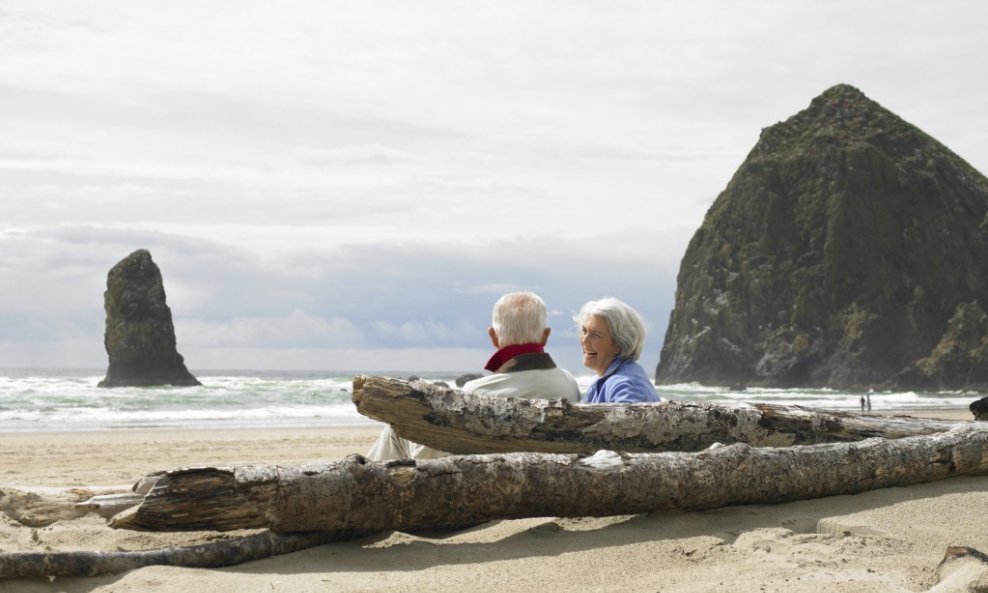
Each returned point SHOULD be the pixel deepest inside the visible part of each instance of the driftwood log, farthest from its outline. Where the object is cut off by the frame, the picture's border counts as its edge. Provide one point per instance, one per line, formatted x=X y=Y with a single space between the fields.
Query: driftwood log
x=86 y=563
x=451 y=420
x=355 y=494
x=311 y=505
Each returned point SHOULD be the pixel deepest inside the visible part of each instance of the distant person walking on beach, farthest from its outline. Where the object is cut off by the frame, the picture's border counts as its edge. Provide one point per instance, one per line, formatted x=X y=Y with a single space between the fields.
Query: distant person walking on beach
x=612 y=336
x=520 y=368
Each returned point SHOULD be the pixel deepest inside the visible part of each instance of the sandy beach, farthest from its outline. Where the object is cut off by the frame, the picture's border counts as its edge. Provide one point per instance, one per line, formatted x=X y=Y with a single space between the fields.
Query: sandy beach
x=883 y=540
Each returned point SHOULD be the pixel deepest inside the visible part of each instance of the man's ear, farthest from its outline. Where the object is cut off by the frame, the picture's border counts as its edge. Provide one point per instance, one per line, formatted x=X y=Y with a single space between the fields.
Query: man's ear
x=493 y=335
x=545 y=335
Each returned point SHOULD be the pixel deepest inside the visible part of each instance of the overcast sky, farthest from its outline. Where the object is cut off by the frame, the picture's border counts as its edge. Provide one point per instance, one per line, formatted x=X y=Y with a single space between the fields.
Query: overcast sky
x=350 y=185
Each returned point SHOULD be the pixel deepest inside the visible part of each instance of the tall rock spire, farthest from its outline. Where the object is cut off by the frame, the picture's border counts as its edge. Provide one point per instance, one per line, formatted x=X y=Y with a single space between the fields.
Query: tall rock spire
x=836 y=256
x=140 y=337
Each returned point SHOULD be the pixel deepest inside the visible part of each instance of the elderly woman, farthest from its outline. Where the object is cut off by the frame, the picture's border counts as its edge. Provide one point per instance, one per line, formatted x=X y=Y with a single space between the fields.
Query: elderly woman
x=612 y=336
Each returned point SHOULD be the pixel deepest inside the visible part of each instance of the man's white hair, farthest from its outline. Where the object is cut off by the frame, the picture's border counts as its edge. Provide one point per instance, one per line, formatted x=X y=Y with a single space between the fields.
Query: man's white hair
x=519 y=318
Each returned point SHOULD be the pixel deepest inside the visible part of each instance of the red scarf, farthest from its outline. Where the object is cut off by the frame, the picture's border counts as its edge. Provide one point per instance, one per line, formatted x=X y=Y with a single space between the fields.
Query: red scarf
x=508 y=352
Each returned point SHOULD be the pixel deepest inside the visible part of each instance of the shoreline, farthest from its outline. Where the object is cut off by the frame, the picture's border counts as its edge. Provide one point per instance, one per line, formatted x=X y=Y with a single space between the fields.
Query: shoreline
x=942 y=413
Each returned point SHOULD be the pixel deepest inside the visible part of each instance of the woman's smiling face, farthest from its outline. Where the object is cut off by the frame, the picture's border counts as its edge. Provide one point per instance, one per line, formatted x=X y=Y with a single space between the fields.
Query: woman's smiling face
x=599 y=348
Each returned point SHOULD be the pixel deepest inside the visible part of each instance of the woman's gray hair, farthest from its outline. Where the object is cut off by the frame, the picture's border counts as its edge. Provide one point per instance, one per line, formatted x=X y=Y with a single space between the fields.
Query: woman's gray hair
x=626 y=325
x=519 y=318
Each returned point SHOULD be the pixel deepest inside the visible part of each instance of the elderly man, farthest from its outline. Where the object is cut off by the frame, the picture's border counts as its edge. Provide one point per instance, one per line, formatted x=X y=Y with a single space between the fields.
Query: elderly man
x=520 y=368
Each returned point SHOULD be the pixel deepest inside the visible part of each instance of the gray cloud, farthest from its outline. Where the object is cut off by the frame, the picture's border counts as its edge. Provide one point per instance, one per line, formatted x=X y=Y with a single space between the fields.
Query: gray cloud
x=364 y=297
x=343 y=189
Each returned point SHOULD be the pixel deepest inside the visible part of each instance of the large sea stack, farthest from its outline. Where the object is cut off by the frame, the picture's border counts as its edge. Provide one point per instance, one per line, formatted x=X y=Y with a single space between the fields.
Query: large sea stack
x=849 y=251
x=140 y=337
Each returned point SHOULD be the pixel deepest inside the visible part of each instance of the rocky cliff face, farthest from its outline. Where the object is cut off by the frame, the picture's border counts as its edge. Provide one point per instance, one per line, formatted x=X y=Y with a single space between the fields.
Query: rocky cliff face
x=848 y=250
x=140 y=337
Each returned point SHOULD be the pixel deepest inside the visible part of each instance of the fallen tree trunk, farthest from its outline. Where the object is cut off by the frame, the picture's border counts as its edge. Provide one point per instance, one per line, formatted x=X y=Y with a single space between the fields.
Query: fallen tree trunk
x=407 y=495
x=461 y=423
x=88 y=563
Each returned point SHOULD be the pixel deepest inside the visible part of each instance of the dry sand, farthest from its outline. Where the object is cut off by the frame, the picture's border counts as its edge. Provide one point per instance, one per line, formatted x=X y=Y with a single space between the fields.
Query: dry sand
x=884 y=540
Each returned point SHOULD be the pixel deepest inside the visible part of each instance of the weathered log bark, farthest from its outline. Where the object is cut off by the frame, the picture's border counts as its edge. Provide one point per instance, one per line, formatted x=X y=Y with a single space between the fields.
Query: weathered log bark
x=85 y=563
x=451 y=420
x=402 y=495
x=962 y=570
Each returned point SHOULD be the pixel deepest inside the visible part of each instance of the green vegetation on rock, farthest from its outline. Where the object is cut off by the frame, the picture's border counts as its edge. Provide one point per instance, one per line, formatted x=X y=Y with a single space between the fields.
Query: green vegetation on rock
x=837 y=256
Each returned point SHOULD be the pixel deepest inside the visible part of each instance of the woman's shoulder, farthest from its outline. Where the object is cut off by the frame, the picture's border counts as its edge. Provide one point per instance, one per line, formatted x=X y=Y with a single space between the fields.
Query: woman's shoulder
x=629 y=370
x=630 y=385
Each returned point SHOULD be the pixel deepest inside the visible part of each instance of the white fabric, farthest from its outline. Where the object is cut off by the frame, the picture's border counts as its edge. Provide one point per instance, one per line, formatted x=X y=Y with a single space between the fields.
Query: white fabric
x=532 y=384
x=391 y=446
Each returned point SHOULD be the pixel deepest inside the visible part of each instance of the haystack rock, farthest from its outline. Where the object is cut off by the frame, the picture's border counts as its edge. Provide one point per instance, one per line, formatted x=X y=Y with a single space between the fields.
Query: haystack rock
x=849 y=251
x=140 y=337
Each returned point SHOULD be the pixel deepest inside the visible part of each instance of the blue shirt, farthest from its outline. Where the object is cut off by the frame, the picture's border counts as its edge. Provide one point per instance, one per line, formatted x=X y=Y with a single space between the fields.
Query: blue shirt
x=624 y=382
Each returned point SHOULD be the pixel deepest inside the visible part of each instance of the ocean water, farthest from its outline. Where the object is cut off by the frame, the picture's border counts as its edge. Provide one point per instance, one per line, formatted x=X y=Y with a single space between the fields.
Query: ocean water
x=69 y=400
